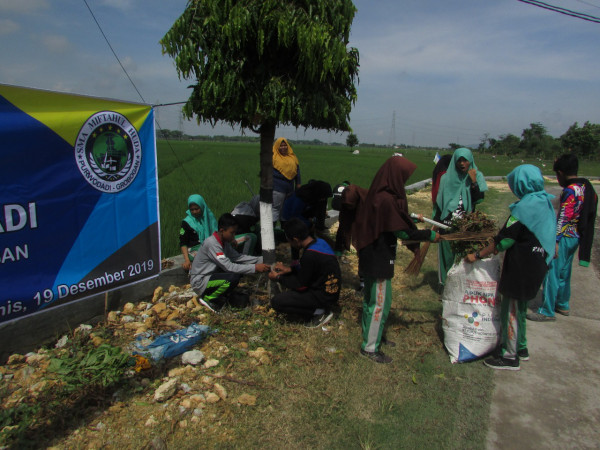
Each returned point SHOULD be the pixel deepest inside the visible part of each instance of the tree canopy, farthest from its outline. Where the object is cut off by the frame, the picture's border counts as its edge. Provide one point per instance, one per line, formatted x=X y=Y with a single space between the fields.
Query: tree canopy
x=267 y=61
x=260 y=63
x=351 y=141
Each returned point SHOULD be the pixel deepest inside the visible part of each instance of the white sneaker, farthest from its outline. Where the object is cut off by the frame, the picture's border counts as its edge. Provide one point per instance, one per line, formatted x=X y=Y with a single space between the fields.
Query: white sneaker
x=206 y=304
x=319 y=320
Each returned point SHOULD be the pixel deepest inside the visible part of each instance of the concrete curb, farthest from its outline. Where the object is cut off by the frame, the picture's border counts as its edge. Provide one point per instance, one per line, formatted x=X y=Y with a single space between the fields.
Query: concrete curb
x=30 y=332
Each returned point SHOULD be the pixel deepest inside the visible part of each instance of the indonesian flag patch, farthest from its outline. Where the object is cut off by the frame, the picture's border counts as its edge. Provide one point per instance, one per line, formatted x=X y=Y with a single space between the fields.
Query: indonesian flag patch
x=220 y=255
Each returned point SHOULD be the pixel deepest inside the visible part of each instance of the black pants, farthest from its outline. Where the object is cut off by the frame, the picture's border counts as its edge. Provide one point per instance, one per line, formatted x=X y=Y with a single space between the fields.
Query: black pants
x=296 y=303
x=220 y=286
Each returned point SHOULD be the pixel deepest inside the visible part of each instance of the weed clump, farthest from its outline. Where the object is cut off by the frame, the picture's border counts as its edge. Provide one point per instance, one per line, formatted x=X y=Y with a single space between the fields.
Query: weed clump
x=472 y=232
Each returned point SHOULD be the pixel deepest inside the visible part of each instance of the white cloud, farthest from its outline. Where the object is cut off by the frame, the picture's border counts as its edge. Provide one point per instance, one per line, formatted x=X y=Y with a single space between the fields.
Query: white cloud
x=55 y=43
x=23 y=6
x=123 y=5
x=8 y=26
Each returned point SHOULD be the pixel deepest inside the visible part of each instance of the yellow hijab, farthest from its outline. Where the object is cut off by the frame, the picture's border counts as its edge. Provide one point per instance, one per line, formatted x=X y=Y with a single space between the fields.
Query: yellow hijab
x=286 y=165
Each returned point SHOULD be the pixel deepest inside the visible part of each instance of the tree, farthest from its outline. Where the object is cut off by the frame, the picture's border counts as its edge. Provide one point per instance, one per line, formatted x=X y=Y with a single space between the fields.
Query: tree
x=260 y=63
x=351 y=141
x=536 y=142
x=505 y=145
x=584 y=141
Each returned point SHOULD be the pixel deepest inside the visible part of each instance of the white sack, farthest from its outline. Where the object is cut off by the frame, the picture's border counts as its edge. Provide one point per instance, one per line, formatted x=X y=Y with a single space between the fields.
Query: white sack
x=471 y=309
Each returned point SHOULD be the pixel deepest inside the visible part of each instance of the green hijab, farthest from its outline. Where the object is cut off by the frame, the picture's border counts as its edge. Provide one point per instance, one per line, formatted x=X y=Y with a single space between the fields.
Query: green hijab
x=207 y=224
x=455 y=184
x=534 y=209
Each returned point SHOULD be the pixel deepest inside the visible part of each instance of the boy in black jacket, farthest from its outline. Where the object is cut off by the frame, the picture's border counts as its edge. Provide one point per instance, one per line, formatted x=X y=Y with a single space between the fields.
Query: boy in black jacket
x=314 y=284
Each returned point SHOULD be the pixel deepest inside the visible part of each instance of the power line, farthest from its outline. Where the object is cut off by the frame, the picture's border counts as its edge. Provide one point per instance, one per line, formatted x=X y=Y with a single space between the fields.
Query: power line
x=190 y=179
x=558 y=9
x=113 y=51
x=588 y=3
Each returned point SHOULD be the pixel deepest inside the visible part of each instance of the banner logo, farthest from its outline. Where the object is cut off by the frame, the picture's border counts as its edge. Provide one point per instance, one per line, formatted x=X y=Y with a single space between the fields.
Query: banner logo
x=108 y=151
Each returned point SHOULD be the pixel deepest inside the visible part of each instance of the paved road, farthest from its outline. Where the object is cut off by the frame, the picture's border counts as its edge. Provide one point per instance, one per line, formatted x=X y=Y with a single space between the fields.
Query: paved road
x=553 y=402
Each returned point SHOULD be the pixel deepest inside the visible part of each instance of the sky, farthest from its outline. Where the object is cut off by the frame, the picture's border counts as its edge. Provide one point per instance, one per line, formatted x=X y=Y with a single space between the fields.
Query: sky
x=432 y=72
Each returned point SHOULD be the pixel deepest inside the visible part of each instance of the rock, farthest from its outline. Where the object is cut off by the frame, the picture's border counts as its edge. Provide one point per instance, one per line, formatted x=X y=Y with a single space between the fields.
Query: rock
x=211 y=397
x=37 y=388
x=128 y=308
x=25 y=374
x=37 y=360
x=143 y=306
x=172 y=288
x=257 y=353
x=174 y=315
x=151 y=422
x=97 y=341
x=181 y=371
x=141 y=330
x=185 y=388
x=158 y=292
x=193 y=357
x=127 y=319
x=83 y=330
x=186 y=403
x=197 y=412
x=247 y=399
x=62 y=342
x=112 y=316
x=15 y=359
x=183 y=424
x=149 y=321
x=159 y=307
x=198 y=399
x=211 y=363
x=220 y=390
x=166 y=390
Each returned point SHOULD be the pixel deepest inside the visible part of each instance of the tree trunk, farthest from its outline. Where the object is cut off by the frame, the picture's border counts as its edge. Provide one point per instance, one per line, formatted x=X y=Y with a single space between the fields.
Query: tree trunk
x=267 y=136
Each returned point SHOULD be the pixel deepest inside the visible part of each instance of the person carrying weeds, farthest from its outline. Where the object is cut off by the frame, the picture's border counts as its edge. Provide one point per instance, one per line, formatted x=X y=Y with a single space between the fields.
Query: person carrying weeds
x=528 y=239
x=383 y=218
x=461 y=188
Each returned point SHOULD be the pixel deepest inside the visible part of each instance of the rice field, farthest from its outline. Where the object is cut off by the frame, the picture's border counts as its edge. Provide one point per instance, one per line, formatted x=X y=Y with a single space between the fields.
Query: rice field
x=218 y=171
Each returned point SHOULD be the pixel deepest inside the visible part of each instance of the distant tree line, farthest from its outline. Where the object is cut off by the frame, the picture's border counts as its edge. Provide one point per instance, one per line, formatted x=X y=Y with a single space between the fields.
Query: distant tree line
x=536 y=142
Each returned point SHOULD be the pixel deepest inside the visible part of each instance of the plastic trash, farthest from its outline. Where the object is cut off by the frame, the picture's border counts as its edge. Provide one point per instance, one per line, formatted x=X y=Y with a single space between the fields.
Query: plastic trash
x=173 y=343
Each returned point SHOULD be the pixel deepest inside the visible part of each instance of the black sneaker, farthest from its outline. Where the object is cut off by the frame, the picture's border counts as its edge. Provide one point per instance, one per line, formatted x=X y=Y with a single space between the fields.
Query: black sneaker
x=537 y=317
x=523 y=354
x=502 y=363
x=378 y=357
x=319 y=320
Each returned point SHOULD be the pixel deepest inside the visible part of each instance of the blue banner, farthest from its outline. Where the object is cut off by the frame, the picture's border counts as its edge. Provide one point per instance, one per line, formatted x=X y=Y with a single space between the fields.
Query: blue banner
x=79 y=198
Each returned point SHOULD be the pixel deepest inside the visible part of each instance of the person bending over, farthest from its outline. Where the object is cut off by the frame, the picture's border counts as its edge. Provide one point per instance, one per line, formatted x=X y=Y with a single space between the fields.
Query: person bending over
x=314 y=285
x=218 y=267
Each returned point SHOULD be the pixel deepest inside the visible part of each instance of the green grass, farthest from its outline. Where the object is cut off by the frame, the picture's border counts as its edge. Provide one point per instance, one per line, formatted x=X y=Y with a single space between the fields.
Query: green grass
x=315 y=392
x=320 y=393
x=217 y=170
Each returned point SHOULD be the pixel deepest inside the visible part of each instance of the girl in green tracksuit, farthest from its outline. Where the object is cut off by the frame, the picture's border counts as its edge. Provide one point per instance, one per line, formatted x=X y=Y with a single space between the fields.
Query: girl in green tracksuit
x=380 y=222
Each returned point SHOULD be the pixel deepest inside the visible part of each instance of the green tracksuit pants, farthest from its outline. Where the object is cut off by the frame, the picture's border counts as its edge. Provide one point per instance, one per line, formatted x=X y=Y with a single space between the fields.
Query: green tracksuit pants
x=513 y=319
x=377 y=301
